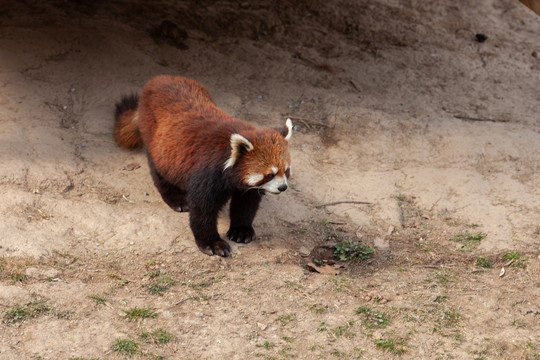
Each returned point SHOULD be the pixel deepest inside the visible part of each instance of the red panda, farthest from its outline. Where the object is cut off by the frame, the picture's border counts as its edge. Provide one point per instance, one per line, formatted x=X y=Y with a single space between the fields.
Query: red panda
x=200 y=157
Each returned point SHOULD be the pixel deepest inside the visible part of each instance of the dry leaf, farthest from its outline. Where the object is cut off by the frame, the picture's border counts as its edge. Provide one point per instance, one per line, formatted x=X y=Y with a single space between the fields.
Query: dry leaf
x=502 y=272
x=326 y=269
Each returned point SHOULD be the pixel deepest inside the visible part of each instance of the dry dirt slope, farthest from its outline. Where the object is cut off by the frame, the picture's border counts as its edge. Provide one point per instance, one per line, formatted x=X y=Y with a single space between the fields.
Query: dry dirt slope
x=373 y=88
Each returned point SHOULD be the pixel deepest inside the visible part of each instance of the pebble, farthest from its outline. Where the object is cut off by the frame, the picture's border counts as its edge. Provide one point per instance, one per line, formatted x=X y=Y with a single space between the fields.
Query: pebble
x=199 y=315
x=259 y=97
x=315 y=99
x=318 y=147
x=83 y=145
x=131 y=243
x=298 y=189
x=106 y=254
x=303 y=146
x=296 y=127
x=72 y=89
x=64 y=107
x=146 y=194
x=97 y=245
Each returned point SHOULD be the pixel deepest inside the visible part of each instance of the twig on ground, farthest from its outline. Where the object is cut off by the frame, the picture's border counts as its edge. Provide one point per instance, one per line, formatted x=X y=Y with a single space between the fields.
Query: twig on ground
x=307 y=122
x=344 y=202
x=461 y=117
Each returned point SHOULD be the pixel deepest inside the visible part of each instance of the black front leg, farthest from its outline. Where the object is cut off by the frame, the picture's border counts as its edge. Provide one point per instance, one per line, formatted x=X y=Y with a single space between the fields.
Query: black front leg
x=203 y=223
x=244 y=206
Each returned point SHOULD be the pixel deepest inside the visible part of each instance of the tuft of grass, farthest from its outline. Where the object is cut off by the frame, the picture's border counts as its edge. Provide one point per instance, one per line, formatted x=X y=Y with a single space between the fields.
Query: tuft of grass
x=373 y=319
x=394 y=346
x=266 y=344
x=515 y=257
x=318 y=308
x=127 y=347
x=349 y=250
x=18 y=277
x=469 y=240
x=137 y=313
x=160 y=284
x=286 y=319
x=483 y=262
x=344 y=330
x=158 y=336
x=21 y=313
x=100 y=300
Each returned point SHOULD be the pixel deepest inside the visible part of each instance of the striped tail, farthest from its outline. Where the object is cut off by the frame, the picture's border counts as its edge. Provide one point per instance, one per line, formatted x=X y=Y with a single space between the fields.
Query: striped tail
x=126 y=127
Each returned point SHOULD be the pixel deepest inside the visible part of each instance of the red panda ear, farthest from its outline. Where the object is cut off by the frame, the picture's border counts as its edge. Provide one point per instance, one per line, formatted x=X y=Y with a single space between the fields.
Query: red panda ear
x=286 y=131
x=239 y=145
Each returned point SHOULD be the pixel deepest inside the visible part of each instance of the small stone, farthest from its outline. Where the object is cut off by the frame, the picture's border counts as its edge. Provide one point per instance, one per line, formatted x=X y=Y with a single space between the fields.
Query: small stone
x=302 y=102
x=318 y=147
x=262 y=326
x=303 y=146
x=296 y=127
x=199 y=315
x=131 y=243
x=106 y=254
x=64 y=107
x=298 y=189
x=290 y=106
x=315 y=99
x=83 y=145
x=304 y=251
x=259 y=97
x=72 y=89
x=146 y=194
x=480 y=37
x=97 y=245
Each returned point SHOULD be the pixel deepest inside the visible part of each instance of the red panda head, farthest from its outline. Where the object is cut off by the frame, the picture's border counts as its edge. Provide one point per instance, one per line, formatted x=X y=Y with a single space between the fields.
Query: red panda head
x=261 y=158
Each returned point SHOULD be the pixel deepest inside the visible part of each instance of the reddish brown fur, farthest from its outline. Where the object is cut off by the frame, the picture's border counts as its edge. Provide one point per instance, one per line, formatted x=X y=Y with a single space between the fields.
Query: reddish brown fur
x=188 y=141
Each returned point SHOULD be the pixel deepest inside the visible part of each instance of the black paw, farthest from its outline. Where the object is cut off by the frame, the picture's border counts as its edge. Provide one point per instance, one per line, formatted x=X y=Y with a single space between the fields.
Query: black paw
x=241 y=234
x=218 y=247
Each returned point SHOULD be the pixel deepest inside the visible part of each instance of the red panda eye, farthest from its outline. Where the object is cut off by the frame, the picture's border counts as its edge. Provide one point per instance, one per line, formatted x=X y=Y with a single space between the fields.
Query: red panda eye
x=270 y=176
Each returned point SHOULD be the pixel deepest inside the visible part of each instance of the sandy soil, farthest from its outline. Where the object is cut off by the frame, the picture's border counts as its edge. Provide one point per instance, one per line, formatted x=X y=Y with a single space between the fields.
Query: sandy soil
x=395 y=103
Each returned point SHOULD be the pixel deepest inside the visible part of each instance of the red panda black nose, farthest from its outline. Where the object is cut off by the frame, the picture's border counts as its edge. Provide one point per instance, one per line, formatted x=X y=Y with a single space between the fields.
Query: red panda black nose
x=282 y=187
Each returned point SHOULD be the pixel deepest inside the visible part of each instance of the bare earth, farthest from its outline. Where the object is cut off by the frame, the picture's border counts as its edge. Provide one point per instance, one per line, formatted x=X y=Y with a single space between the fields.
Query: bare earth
x=394 y=103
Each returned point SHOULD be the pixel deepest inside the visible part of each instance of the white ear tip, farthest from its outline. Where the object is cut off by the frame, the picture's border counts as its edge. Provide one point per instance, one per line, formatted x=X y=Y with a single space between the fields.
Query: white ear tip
x=289 y=125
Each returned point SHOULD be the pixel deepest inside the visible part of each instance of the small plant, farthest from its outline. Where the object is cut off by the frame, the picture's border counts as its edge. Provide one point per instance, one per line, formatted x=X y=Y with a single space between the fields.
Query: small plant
x=349 y=250
x=373 y=319
x=158 y=336
x=127 y=347
x=344 y=330
x=136 y=313
x=469 y=240
x=317 y=308
x=286 y=319
x=483 y=262
x=18 y=277
x=395 y=346
x=515 y=258
x=266 y=344
x=100 y=300
x=23 y=312
x=160 y=284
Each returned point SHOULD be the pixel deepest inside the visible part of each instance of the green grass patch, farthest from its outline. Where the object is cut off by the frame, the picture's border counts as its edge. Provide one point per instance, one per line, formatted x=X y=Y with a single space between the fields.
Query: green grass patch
x=160 y=284
x=344 y=330
x=286 y=319
x=98 y=299
x=391 y=345
x=126 y=347
x=469 y=240
x=373 y=319
x=158 y=336
x=31 y=310
x=137 y=313
x=483 y=262
x=349 y=250
x=515 y=258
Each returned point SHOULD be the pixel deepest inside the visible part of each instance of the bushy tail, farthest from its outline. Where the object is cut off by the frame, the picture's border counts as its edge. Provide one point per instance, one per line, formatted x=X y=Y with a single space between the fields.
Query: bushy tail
x=126 y=127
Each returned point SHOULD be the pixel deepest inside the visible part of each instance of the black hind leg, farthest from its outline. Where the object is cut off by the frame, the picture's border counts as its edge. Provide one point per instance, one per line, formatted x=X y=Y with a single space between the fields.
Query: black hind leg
x=171 y=194
x=244 y=206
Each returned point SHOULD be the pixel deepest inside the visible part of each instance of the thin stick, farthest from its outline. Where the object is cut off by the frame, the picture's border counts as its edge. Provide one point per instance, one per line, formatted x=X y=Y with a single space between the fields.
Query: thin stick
x=307 y=121
x=478 y=119
x=343 y=202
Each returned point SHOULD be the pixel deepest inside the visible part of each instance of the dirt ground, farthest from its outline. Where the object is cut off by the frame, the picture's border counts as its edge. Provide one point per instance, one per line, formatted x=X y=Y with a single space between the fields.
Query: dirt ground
x=401 y=104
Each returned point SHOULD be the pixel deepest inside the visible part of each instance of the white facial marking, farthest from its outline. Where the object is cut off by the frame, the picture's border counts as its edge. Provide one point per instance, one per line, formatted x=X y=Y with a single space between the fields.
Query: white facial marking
x=253 y=179
x=274 y=169
x=273 y=185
